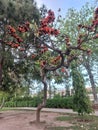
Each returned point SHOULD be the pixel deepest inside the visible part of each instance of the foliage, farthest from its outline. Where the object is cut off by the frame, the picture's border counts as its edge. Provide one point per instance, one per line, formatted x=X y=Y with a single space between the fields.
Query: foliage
x=34 y=101
x=65 y=102
x=17 y=11
x=12 y=70
x=81 y=101
x=3 y=95
x=23 y=102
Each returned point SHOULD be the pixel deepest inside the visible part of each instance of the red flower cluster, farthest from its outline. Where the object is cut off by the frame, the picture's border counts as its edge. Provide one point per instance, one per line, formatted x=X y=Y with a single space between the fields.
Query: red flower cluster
x=33 y=56
x=44 y=25
x=12 y=32
x=63 y=69
x=67 y=40
x=22 y=49
x=95 y=21
x=49 y=19
x=11 y=29
x=13 y=45
x=56 y=59
x=96 y=36
x=42 y=63
x=43 y=49
x=49 y=30
x=89 y=51
x=24 y=28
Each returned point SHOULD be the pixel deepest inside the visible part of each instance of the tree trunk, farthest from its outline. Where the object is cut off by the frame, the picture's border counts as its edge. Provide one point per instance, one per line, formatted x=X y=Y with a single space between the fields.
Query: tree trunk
x=2 y=104
x=40 y=106
x=50 y=89
x=0 y=75
x=92 y=84
x=91 y=77
x=38 y=112
x=67 y=93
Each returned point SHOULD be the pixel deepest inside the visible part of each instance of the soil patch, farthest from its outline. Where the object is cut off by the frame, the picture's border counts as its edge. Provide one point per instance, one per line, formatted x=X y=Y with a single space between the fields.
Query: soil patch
x=25 y=120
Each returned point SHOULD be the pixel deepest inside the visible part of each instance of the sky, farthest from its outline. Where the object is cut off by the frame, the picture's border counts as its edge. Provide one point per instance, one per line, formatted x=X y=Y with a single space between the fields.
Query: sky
x=64 y=4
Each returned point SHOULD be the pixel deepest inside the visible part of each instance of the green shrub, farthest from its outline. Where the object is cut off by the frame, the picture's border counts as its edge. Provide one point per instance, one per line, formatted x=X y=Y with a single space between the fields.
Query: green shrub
x=59 y=102
x=23 y=102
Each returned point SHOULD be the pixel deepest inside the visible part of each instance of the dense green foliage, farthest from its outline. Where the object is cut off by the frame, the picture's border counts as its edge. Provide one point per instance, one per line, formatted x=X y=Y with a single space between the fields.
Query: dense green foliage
x=23 y=102
x=12 y=73
x=81 y=101
x=33 y=102
x=65 y=102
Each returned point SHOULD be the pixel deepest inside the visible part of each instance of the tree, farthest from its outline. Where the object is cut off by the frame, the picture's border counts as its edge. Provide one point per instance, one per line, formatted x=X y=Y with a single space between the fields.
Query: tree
x=13 y=12
x=43 y=50
x=70 y=25
x=81 y=101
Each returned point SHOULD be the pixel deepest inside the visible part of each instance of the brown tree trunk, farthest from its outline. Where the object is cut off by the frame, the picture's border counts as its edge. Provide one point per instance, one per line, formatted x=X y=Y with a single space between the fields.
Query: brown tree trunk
x=91 y=77
x=2 y=104
x=1 y=64
x=92 y=84
x=40 y=106
x=0 y=74
x=50 y=91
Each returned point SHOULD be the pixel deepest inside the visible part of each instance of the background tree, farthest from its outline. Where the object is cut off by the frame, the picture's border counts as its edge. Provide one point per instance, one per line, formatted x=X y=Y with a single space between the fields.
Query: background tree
x=81 y=101
x=13 y=12
x=84 y=16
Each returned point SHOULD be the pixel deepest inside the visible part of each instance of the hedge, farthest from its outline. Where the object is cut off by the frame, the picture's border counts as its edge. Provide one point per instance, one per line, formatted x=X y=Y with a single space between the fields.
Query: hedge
x=23 y=102
x=65 y=102
x=60 y=103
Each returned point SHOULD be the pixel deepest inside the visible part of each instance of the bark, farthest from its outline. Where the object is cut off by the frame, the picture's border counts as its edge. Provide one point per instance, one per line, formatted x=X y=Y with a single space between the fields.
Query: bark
x=91 y=77
x=50 y=90
x=2 y=104
x=43 y=104
x=1 y=65
x=67 y=87
x=0 y=74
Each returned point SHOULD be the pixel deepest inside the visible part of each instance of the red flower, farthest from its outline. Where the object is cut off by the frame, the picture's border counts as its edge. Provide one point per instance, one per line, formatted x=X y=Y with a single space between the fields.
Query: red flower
x=24 y=28
x=89 y=51
x=67 y=40
x=22 y=49
x=44 y=28
x=33 y=56
x=45 y=49
x=95 y=22
x=43 y=63
x=9 y=43
x=15 y=45
x=63 y=69
x=56 y=59
x=96 y=36
x=19 y=39
x=27 y=23
x=11 y=29
x=14 y=35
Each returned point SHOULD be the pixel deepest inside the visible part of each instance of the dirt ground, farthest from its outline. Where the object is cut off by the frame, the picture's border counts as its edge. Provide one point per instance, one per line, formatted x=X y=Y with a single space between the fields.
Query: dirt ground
x=25 y=120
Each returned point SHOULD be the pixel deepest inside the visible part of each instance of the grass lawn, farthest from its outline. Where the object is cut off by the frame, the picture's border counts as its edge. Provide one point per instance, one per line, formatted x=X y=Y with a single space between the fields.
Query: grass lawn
x=87 y=122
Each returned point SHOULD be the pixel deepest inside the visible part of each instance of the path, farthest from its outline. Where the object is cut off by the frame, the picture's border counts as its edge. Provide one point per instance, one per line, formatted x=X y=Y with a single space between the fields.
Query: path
x=51 y=110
